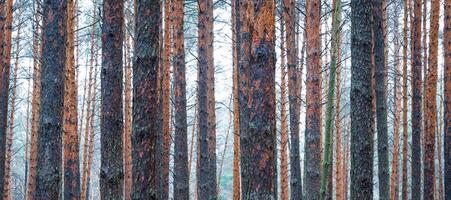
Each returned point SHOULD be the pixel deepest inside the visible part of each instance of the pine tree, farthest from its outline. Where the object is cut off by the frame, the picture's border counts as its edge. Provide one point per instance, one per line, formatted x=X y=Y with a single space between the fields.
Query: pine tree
x=447 y=97
x=313 y=100
x=181 y=176
x=111 y=122
x=361 y=101
x=49 y=159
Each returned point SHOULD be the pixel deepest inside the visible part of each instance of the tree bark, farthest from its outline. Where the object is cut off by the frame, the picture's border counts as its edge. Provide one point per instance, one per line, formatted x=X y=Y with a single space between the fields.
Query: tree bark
x=335 y=49
x=70 y=140
x=294 y=95
x=4 y=92
x=283 y=117
x=49 y=159
x=257 y=71
x=36 y=102
x=111 y=123
x=313 y=99
x=430 y=108
x=416 y=100
x=405 y=190
x=166 y=95
x=236 y=110
x=341 y=168
x=361 y=101
x=206 y=182
x=146 y=134
x=181 y=176
x=381 y=101
x=10 y=136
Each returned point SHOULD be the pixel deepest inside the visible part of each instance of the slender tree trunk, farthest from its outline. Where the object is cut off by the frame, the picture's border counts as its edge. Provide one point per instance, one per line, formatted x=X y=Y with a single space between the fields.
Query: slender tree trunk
x=283 y=117
x=313 y=99
x=146 y=133
x=127 y=119
x=416 y=101
x=9 y=140
x=236 y=110
x=111 y=124
x=181 y=176
x=49 y=159
x=430 y=108
x=70 y=134
x=206 y=182
x=361 y=101
x=257 y=115
x=394 y=177
x=166 y=95
x=405 y=190
x=340 y=174
x=335 y=45
x=294 y=95
x=447 y=98
x=36 y=102
x=4 y=92
x=381 y=101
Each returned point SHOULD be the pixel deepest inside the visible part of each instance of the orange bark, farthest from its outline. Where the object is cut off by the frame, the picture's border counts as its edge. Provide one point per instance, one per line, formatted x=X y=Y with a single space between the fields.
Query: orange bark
x=404 y=103
x=36 y=102
x=283 y=120
x=127 y=120
x=236 y=122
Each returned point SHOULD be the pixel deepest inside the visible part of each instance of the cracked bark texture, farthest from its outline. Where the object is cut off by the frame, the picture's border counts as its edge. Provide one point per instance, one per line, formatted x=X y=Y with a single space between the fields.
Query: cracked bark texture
x=257 y=99
x=146 y=154
x=361 y=101
x=4 y=89
x=49 y=159
x=111 y=120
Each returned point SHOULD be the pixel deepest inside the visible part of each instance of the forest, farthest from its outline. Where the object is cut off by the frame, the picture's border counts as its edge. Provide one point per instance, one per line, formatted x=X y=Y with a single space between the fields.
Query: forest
x=225 y=99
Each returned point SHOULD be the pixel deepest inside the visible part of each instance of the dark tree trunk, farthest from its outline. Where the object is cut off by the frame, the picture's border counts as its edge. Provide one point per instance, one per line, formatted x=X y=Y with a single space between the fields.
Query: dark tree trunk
x=313 y=99
x=294 y=96
x=181 y=176
x=417 y=117
x=447 y=98
x=381 y=101
x=49 y=172
x=206 y=181
x=361 y=101
x=4 y=90
x=111 y=123
x=146 y=132
x=258 y=136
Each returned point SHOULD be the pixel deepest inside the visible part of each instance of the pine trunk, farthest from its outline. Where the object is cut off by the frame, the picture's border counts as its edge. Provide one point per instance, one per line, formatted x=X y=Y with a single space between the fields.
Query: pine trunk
x=49 y=159
x=36 y=102
x=4 y=93
x=258 y=120
x=416 y=100
x=70 y=135
x=313 y=99
x=340 y=174
x=283 y=118
x=294 y=95
x=146 y=133
x=361 y=101
x=430 y=108
x=405 y=190
x=166 y=95
x=236 y=110
x=335 y=45
x=111 y=123
x=181 y=176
